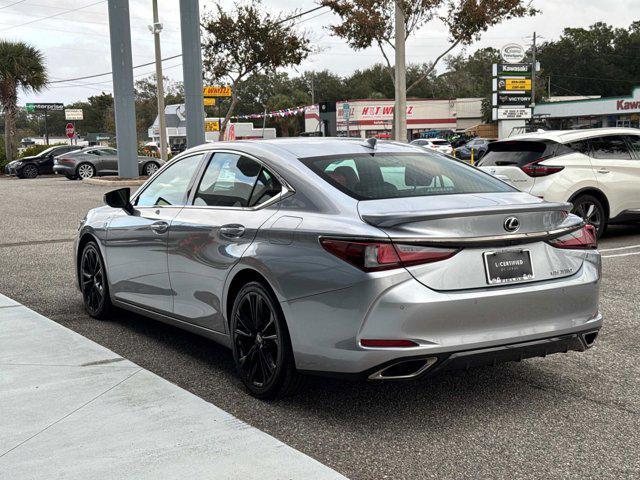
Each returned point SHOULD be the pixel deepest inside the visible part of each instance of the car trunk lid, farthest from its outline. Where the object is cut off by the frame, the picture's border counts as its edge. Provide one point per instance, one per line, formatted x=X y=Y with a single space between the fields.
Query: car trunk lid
x=476 y=224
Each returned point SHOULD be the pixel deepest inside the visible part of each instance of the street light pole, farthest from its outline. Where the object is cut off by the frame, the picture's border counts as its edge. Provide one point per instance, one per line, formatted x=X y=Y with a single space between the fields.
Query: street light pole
x=156 y=28
x=533 y=72
x=400 y=107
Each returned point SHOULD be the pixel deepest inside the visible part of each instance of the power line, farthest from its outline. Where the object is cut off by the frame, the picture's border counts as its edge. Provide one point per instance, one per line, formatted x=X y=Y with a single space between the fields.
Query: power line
x=109 y=73
x=53 y=16
x=292 y=17
x=297 y=15
x=12 y=4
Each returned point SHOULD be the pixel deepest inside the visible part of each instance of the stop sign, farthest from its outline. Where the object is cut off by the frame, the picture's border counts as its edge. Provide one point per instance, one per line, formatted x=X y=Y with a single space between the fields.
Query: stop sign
x=70 y=130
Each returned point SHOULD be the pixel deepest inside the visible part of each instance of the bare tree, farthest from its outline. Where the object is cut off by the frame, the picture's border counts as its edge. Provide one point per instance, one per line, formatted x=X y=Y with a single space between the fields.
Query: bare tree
x=246 y=41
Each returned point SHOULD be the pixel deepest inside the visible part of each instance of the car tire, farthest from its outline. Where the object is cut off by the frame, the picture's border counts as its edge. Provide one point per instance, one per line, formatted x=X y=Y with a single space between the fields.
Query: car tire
x=150 y=168
x=93 y=282
x=591 y=210
x=29 y=171
x=261 y=345
x=85 y=170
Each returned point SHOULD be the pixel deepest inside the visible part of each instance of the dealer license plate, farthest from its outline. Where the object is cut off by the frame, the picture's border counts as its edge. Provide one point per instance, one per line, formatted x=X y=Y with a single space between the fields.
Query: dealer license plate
x=508 y=266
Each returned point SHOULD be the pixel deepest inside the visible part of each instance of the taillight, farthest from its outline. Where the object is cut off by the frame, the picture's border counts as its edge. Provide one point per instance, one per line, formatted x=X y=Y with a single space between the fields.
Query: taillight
x=64 y=161
x=376 y=256
x=586 y=238
x=534 y=169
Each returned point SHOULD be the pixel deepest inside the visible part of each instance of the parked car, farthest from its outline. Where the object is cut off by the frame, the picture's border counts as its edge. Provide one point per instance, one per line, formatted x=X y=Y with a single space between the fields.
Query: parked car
x=380 y=261
x=597 y=170
x=437 y=144
x=40 y=164
x=95 y=161
x=479 y=147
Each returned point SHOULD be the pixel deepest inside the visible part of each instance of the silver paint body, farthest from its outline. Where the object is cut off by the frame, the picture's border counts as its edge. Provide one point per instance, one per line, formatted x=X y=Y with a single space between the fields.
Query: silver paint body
x=182 y=275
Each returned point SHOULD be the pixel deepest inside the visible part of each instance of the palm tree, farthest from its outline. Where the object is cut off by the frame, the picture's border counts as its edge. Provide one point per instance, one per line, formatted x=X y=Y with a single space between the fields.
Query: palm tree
x=21 y=67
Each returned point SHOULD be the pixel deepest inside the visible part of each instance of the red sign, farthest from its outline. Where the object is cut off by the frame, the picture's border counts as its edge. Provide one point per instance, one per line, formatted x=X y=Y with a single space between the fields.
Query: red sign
x=70 y=130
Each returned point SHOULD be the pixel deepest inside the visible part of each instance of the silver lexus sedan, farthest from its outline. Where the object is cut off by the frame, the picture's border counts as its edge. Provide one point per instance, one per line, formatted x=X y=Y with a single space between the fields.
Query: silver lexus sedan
x=343 y=257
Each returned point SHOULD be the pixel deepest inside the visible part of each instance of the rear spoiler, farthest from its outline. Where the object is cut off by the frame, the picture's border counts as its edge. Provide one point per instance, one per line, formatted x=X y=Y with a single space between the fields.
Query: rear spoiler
x=391 y=219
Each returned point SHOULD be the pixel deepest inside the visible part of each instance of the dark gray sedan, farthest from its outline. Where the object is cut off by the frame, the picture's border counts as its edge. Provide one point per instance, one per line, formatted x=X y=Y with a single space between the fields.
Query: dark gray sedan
x=95 y=161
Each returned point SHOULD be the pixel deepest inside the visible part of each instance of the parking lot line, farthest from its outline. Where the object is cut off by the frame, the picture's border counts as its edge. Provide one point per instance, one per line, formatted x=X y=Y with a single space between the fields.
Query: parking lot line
x=621 y=255
x=628 y=247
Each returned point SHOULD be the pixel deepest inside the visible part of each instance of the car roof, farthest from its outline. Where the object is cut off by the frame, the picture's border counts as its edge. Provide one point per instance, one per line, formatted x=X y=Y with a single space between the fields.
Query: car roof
x=304 y=147
x=564 y=136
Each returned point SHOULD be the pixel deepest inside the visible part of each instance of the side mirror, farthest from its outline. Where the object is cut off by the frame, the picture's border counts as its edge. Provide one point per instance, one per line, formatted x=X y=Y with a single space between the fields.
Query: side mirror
x=120 y=198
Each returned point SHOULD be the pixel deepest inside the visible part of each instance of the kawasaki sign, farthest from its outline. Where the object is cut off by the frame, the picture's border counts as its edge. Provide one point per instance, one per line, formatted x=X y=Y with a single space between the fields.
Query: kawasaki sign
x=591 y=107
x=622 y=105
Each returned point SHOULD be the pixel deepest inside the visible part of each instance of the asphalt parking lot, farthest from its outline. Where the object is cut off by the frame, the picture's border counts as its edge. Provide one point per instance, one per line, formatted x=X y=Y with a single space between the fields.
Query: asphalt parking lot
x=566 y=416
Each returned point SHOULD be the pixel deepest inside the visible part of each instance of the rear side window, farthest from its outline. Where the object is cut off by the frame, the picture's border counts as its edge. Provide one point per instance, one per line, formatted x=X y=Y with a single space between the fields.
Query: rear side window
x=610 y=148
x=515 y=153
x=581 y=146
x=397 y=175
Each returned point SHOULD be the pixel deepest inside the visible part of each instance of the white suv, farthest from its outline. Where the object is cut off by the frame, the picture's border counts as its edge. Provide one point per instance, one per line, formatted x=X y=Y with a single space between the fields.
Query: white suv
x=437 y=144
x=598 y=170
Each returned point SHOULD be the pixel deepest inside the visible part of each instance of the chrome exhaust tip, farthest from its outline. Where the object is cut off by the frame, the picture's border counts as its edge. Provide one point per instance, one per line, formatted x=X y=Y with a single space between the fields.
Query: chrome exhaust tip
x=404 y=369
x=589 y=338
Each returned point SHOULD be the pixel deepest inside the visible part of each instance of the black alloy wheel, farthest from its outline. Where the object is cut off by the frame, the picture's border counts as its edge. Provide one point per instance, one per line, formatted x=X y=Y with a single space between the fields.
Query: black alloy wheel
x=261 y=346
x=93 y=282
x=29 y=171
x=590 y=209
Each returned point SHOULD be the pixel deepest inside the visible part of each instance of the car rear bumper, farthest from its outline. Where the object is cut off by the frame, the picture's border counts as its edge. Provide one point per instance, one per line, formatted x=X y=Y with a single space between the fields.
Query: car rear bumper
x=326 y=329
x=420 y=367
x=63 y=170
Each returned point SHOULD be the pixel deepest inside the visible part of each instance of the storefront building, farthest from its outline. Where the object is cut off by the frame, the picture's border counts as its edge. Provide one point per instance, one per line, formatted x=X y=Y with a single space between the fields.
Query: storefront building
x=374 y=117
x=591 y=112
x=176 y=122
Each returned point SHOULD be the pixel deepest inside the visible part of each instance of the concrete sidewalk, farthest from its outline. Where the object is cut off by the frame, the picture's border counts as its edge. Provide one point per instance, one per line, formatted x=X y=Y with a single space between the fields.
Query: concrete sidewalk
x=72 y=409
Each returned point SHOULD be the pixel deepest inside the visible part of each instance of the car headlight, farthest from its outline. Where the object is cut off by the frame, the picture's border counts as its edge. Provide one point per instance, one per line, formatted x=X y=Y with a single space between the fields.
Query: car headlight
x=19 y=164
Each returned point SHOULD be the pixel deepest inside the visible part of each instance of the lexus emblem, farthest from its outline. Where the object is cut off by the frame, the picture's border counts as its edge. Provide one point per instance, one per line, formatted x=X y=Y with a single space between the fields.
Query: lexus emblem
x=511 y=224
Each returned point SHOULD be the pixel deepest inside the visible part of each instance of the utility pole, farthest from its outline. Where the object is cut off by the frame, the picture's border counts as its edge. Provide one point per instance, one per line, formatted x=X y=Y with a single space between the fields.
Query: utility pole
x=313 y=93
x=400 y=107
x=533 y=72
x=192 y=71
x=123 y=100
x=156 y=28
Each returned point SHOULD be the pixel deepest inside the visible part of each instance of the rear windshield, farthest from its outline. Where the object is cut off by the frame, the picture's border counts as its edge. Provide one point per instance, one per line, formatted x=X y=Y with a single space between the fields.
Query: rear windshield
x=514 y=153
x=439 y=142
x=396 y=175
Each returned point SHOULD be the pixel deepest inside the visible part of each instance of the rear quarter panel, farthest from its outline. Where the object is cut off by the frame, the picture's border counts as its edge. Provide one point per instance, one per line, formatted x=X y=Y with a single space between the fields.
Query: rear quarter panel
x=577 y=175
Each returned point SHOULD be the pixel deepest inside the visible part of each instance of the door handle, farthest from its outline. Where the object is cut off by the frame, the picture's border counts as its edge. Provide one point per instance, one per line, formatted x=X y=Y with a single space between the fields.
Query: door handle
x=232 y=230
x=603 y=170
x=160 y=227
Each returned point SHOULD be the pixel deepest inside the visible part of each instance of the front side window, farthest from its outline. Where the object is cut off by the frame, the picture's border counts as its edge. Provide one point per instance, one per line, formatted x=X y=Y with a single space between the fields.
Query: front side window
x=634 y=144
x=397 y=175
x=610 y=148
x=233 y=180
x=170 y=187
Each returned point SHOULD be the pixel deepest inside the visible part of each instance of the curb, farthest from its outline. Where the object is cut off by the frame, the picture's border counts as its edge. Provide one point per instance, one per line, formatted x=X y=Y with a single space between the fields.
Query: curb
x=129 y=182
x=72 y=408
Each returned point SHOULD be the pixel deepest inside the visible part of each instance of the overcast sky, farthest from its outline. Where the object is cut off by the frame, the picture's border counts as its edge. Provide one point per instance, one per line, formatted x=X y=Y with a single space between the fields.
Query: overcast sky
x=75 y=42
